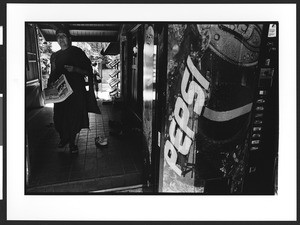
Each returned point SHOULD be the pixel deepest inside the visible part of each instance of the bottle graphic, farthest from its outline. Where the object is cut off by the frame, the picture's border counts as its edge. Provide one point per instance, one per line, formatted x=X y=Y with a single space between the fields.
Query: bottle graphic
x=212 y=75
x=230 y=65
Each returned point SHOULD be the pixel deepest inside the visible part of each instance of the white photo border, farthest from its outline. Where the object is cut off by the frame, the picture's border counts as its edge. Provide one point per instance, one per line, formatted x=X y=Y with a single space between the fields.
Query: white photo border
x=153 y=207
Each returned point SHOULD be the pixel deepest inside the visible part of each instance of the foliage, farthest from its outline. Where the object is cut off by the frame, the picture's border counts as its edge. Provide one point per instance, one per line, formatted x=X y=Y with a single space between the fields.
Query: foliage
x=92 y=49
x=45 y=47
x=96 y=47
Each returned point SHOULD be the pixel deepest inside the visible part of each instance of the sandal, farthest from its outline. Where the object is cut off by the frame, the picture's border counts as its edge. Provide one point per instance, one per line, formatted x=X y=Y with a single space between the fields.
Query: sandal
x=101 y=141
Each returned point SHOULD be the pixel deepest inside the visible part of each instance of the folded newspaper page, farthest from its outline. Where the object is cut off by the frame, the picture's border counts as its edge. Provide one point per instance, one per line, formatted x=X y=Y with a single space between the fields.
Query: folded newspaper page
x=59 y=92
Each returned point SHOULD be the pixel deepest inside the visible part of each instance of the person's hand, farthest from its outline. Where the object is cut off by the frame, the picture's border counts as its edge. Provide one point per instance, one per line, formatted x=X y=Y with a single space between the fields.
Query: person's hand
x=71 y=69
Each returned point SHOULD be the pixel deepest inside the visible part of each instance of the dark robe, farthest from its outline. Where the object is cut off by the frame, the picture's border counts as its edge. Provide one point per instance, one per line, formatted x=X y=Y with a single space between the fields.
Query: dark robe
x=71 y=115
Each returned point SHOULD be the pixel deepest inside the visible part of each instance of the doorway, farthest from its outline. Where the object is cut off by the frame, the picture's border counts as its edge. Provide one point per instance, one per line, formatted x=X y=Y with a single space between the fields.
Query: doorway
x=117 y=166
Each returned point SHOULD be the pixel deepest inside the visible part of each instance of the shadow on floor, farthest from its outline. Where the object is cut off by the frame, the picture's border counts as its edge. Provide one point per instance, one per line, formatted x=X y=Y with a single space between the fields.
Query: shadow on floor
x=55 y=170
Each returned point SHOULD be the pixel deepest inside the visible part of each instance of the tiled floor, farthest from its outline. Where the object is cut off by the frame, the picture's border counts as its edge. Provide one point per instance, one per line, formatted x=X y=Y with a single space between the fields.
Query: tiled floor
x=55 y=170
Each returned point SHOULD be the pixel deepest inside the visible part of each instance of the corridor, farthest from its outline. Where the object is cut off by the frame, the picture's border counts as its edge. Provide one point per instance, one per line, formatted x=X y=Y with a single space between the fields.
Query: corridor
x=54 y=170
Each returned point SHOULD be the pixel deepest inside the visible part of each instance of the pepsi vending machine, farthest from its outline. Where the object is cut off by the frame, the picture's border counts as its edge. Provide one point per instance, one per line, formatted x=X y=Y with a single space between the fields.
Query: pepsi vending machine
x=221 y=123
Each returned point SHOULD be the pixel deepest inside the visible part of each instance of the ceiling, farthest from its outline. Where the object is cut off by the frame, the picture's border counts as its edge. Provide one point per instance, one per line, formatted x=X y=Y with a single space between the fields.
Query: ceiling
x=83 y=32
x=87 y=32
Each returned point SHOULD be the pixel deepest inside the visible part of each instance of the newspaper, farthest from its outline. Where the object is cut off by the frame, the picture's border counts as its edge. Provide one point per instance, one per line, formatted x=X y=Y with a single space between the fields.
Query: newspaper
x=59 y=92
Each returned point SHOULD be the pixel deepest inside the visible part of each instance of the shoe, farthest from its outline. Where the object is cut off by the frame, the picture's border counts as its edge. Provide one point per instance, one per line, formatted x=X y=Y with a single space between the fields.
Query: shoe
x=73 y=149
x=62 y=143
x=101 y=141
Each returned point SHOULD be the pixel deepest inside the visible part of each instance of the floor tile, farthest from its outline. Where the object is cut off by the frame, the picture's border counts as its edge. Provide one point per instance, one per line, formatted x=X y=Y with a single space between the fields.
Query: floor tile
x=92 y=168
